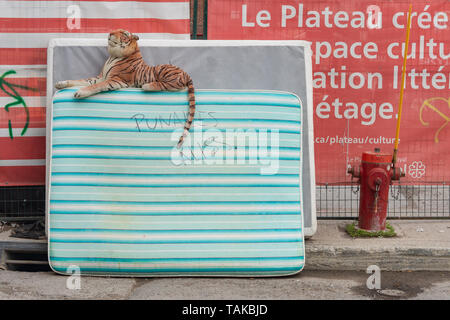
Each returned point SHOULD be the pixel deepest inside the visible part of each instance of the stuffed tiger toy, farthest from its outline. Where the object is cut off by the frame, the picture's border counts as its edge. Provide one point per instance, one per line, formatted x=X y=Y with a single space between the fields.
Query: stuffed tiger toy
x=126 y=68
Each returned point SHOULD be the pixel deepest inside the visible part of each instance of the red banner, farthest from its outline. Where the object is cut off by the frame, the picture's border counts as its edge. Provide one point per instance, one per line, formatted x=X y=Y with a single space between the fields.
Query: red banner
x=25 y=29
x=357 y=61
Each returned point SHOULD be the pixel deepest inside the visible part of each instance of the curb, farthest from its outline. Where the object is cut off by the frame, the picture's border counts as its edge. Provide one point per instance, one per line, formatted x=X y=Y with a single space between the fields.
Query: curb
x=326 y=257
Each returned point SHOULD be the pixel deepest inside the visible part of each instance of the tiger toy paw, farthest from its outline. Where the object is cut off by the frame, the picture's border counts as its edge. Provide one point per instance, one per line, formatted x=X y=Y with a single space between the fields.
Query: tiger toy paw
x=62 y=84
x=81 y=94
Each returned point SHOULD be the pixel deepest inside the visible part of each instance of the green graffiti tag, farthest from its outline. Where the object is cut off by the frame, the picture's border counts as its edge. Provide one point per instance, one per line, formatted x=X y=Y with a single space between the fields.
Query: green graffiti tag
x=9 y=89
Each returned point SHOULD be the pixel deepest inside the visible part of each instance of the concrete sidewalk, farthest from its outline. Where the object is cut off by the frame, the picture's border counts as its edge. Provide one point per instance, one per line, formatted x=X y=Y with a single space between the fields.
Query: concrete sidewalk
x=419 y=245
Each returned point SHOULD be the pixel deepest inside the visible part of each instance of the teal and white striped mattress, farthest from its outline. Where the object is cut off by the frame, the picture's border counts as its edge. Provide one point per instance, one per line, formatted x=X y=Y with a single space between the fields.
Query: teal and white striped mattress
x=124 y=201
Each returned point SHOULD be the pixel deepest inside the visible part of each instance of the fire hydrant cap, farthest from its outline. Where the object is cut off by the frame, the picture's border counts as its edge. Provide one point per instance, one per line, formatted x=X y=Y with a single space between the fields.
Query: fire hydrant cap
x=376 y=157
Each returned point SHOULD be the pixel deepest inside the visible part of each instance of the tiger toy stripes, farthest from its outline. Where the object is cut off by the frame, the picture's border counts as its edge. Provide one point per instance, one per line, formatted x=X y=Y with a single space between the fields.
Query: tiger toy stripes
x=126 y=68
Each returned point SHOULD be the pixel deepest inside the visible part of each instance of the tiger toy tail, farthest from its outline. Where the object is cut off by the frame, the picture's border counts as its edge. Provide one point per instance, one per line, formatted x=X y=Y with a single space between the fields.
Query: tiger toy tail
x=190 y=117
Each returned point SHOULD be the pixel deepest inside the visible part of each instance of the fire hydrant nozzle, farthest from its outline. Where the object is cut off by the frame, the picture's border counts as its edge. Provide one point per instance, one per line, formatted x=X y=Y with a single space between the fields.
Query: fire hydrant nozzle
x=354 y=171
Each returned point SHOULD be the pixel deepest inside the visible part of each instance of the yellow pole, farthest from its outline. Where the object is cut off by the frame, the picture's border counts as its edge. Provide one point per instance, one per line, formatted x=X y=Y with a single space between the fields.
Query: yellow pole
x=400 y=105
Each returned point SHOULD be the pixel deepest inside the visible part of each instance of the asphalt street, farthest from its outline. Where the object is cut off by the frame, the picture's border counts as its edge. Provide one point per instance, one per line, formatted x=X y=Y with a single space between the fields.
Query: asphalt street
x=307 y=285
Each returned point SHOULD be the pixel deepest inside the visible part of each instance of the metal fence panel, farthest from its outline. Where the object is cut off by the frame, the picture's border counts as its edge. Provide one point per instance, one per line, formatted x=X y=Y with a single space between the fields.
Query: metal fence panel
x=405 y=201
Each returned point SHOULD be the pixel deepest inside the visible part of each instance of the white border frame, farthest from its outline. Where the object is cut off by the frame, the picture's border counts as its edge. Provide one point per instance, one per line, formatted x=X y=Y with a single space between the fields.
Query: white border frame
x=308 y=232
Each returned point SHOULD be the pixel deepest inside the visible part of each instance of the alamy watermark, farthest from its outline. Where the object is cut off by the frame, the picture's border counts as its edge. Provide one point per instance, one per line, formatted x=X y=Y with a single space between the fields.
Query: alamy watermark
x=73 y=21
x=211 y=146
x=73 y=282
x=374 y=280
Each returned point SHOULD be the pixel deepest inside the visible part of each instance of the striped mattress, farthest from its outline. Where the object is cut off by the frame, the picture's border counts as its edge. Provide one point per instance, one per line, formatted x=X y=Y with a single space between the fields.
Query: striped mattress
x=123 y=200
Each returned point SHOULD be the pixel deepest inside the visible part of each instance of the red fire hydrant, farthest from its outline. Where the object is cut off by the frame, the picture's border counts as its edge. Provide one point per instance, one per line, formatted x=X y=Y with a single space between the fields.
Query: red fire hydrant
x=375 y=174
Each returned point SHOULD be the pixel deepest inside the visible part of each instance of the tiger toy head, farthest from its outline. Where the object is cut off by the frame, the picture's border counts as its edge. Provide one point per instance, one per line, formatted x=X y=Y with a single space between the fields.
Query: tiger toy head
x=122 y=43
